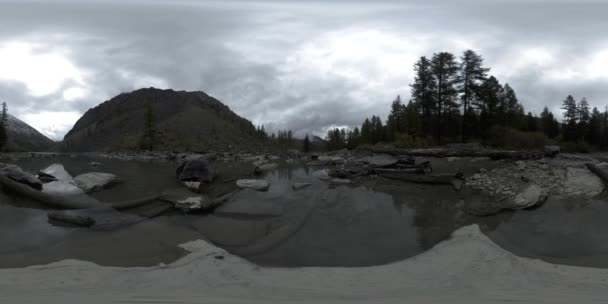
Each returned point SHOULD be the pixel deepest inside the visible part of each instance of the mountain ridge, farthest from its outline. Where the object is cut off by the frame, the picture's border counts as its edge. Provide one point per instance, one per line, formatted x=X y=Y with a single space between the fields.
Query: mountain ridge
x=23 y=137
x=184 y=121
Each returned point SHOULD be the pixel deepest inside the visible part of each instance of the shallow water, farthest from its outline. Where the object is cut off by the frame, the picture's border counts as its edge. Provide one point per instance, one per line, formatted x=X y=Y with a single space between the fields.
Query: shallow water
x=374 y=221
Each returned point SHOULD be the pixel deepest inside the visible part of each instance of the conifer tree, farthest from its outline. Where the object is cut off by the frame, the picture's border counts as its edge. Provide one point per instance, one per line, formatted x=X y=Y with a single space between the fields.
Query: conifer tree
x=471 y=75
x=444 y=69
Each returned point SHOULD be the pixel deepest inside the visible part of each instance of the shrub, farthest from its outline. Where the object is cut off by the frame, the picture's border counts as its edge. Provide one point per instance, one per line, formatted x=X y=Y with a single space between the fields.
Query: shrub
x=572 y=147
x=514 y=139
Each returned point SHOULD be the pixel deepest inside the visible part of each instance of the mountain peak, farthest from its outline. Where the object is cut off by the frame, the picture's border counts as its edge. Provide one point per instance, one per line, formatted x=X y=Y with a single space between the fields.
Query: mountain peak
x=184 y=121
x=23 y=137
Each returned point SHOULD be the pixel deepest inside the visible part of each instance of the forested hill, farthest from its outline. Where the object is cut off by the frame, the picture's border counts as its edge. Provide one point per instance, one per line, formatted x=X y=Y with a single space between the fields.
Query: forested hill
x=157 y=119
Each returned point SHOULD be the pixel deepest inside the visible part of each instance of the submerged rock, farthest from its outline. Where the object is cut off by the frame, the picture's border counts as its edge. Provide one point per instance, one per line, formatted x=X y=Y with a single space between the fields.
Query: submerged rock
x=95 y=181
x=196 y=170
x=254 y=184
x=381 y=160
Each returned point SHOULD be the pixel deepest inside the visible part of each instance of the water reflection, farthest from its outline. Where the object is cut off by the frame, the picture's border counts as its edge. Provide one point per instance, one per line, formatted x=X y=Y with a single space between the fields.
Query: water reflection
x=374 y=221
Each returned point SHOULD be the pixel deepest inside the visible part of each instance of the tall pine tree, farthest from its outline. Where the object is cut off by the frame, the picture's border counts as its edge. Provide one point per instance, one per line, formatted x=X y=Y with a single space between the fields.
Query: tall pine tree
x=444 y=69
x=471 y=75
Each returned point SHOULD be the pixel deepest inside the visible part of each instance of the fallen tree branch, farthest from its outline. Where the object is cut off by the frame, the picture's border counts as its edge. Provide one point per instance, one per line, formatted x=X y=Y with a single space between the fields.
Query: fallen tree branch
x=442 y=152
x=51 y=200
x=66 y=202
x=455 y=181
x=598 y=171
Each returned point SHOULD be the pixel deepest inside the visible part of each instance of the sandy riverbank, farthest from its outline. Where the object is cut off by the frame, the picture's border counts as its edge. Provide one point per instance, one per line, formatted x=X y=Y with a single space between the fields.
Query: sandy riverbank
x=468 y=268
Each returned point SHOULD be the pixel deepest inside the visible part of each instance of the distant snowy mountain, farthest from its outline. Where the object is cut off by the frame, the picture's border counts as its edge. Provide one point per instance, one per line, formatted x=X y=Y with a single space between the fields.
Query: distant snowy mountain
x=22 y=137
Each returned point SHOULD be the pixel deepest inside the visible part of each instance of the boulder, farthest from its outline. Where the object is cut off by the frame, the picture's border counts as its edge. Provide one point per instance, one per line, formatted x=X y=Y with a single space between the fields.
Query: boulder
x=265 y=168
x=381 y=160
x=581 y=181
x=338 y=160
x=15 y=173
x=196 y=170
x=324 y=158
x=322 y=174
x=95 y=181
x=193 y=186
x=254 y=184
x=552 y=151
x=531 y=196
x=186 y=200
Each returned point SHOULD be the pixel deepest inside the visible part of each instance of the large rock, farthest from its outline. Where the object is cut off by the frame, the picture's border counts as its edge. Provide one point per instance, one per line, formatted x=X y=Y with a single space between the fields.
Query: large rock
x=381 y=160
x=15 y=173
x=552 y=151
x=186 y=200
x=254 y=184
x=531 y=196
x=95 y=181
x=196 y=170
x=581 y=181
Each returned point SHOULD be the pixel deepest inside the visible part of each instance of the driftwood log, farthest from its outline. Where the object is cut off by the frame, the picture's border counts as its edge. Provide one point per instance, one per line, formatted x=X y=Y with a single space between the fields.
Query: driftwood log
x=66 y=202
x=442 y=152
x=54 y=201
x=598 y=171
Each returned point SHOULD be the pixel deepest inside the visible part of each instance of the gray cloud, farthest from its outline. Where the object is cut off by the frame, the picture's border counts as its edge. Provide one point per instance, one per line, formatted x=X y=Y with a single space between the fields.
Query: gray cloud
x=301 y=65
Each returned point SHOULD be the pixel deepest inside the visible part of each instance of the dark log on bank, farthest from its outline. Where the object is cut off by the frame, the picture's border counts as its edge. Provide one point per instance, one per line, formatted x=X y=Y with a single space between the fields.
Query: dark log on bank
x=441 y=152
x=50 y=200
x=598 y=171
x=67 y=202
x=413 y=170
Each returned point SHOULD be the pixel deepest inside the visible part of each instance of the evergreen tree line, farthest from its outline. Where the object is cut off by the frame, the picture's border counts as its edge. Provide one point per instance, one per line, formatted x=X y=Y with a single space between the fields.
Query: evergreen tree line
x=3 y=126
x=282 y=139
x=458 y=101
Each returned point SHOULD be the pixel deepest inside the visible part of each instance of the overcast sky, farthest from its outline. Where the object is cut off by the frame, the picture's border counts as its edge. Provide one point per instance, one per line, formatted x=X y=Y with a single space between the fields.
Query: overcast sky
x=301 y=65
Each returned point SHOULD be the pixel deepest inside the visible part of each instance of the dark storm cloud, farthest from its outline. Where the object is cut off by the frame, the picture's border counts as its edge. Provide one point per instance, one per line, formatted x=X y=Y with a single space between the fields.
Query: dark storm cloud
x=295 y=64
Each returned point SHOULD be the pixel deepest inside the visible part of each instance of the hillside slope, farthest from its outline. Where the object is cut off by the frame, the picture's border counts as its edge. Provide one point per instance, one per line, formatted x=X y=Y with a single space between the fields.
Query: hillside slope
x=191 y=121
x=23 y=137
